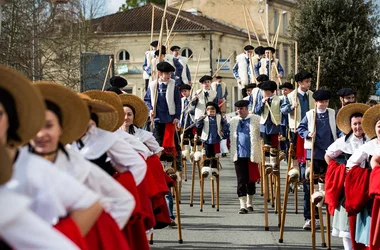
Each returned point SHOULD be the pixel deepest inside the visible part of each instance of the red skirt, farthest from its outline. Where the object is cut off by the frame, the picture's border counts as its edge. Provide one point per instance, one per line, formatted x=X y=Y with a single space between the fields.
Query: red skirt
x=69 y=228
x=335 y=176
x=146 y=205
x=254 y=172
x=106 y=235
x=300 y=149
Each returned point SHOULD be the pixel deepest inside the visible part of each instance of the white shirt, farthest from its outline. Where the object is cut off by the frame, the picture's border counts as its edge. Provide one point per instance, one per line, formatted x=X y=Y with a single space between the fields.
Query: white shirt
x=148 y=139
x=361 y=155
x=348 y=147
x=115 y=199
x=98 y=141
x=135 y=143
x=54 y=193
x=22 y=229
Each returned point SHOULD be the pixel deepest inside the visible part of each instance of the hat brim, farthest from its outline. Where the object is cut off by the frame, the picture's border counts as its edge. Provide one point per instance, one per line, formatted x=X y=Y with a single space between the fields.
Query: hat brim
x=75 y=114
x=343 y=120
x=141 y=110
x=6 y=166
x=369 y=120
x=29 y=104
x=110 y=121
x=96 y=105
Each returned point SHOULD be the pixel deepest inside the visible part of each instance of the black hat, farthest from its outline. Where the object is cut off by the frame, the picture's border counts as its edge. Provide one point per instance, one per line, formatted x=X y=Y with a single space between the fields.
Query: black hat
x=262 y=78
x=184 y=86
x=115 y=90
x=154 y=43
x=213 y=104
x=175 y=47
x=268 y=85
x=219 y=77
x=118 y=82
x=205 y=78
x=242 y=103
x=157 y=52
x=249 y=47
x=287 y=85
x=251 y=86
x=321 y=95
x=165 y=67
x=260 y=50
x=302 y=75
x=271 y=49
x=345 y=92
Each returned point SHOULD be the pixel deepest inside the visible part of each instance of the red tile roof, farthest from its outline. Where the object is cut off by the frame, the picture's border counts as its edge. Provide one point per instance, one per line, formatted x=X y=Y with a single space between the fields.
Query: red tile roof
x=138 y=20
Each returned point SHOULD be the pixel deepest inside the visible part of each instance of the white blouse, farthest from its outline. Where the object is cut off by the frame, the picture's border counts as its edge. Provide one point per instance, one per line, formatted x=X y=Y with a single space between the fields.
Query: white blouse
x=148 y=139
x=342 y=146
x=362 y=154
x=54 y=194
x=114 y=198
x=22 y=229
x=137 y=145
x=98 y=141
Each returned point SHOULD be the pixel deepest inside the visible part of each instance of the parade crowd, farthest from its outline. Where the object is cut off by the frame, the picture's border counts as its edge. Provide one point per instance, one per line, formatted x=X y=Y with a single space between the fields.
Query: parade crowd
x=97 y=170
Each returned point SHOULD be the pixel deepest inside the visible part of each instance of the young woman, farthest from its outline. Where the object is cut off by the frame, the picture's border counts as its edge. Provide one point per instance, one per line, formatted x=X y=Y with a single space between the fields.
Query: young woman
x=349 y=121
x=56 y=197
x=66 y=120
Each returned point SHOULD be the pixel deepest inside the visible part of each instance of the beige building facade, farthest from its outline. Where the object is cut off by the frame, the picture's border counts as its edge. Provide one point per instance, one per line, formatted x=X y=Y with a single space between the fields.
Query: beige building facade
x=207 y=36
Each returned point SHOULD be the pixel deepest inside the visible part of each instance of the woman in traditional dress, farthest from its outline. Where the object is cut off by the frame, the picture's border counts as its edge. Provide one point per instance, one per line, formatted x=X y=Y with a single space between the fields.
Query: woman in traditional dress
x=349 y=121
x=56 y=197
x=66 y=120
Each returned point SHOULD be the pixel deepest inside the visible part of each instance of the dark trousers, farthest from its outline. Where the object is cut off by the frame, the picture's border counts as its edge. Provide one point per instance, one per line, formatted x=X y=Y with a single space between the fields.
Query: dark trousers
x=284 y=145
x=244 y=187
x=210 y=152
x=158 y=133
x=320 y=167
x=146 y=84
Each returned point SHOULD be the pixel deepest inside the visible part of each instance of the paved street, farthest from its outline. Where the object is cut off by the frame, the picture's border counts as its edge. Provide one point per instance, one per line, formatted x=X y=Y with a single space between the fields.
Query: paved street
x=227 y=229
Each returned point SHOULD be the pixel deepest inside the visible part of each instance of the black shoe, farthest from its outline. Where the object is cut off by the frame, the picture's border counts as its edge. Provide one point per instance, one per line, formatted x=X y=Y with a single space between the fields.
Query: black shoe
x=250 y=209
x=243 y=210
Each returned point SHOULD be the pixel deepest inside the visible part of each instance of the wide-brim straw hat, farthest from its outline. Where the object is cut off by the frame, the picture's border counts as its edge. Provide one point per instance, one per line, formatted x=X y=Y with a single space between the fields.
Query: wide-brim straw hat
x=75 y=114
x=343 y=120
x=5 y=166
x=369 y=120
x=108 y=121
x=30 y=106
x=141 y=110
x=96 y=105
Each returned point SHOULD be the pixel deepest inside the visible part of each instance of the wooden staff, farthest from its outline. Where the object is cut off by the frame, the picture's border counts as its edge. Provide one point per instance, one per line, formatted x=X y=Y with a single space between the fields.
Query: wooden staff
x=192 y=89
x=175 y=20
x=296 y=57
x=108 y=71
x=171 y=40
x=265 y=31
x=277 y=33
x=167 y=32
x=253 y=28
x=159 y=55
x=152 y=25
x=246 y=25
x=217 y=71
x=311 y=177
x=217 y=65
x=271 y=113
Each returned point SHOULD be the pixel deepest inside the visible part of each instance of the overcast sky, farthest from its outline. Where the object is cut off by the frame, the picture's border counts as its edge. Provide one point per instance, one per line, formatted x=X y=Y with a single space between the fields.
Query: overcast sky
x=113 y=5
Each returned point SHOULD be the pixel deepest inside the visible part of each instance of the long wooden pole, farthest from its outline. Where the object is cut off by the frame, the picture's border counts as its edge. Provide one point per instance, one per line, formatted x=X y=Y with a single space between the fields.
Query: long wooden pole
x=225 y=62
x=152 y=25
x=265 y=31
x=158 y=59
x=296 y=57
x=277 y=33
x=253 y=28
x=311 y=177
x=246 y=25
x=107 y=73
x=175 y=20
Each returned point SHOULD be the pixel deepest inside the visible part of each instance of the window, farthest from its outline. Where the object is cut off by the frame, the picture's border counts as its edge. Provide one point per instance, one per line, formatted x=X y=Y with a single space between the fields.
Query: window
x=186 y=52
x=284 y=23
x=123 y=55
x=275 y=20
x=286 y=59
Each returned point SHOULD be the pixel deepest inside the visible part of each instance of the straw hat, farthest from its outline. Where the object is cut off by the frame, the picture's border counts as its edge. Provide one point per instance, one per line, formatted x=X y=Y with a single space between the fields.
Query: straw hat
x=369 y=120
x=29 y=104
x=343 y=120
x=108 y=121
x=75 y=115
x=96 y=105
x=6 y=166
x=141 y=110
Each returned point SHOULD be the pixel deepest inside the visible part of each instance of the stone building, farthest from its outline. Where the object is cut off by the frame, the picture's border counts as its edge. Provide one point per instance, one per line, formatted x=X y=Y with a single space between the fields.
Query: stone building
x=202 y=29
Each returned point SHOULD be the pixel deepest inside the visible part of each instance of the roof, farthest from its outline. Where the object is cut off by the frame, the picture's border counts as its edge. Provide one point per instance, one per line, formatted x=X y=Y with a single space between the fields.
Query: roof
x=138 y=20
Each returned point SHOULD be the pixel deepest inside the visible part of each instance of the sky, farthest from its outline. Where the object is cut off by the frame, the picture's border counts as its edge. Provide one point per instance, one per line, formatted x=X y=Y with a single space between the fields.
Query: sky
x=113 y=5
